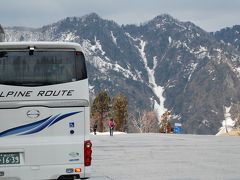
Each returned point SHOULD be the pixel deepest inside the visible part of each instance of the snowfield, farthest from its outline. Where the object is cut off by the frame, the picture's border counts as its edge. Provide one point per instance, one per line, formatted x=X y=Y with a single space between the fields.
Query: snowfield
x=165 y=156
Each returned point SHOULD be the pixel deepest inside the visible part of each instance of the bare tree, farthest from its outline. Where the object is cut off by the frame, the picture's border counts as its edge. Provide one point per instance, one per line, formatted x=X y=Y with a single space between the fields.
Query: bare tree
x=165 y=126
x=149 y=122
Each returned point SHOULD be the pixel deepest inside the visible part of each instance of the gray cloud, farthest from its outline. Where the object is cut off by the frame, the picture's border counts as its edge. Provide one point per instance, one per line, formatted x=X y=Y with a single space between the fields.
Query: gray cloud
x=210 y=15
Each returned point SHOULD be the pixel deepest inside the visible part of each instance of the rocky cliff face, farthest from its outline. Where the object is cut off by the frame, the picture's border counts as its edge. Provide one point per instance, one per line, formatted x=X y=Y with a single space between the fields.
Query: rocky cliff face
x=229 y=36
x=164 y=64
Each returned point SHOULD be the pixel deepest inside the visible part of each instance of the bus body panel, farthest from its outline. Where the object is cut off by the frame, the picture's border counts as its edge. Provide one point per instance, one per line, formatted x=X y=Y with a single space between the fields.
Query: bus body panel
x=44 y=143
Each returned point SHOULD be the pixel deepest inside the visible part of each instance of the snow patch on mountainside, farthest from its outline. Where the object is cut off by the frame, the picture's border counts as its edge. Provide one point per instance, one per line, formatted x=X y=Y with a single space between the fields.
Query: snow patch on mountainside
x=104 y=63
x=202 y=52
x=158 y=90
x=97 y=46
x=169 y=39
x=69 y=36
x=193 y=67
x=154 y=62
x=227 y=123
x=114 y=39
x=105 y=66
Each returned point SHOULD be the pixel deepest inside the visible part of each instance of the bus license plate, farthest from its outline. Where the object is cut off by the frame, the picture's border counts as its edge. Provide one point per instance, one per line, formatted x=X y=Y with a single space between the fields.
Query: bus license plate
x=9 y=158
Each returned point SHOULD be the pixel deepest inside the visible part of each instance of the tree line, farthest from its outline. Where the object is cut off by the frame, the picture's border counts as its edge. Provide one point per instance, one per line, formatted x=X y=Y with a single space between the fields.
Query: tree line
x=105 y=107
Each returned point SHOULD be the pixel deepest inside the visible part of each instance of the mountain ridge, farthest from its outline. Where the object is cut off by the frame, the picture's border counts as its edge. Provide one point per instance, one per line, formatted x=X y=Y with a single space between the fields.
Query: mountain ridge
x=175 y=65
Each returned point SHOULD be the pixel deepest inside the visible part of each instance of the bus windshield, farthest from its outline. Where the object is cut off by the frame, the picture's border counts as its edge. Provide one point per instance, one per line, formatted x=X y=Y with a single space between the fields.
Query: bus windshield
x=20 y=68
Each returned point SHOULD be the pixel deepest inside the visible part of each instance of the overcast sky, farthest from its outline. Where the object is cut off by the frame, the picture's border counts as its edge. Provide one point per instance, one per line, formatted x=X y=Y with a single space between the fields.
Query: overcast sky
x=210 y=15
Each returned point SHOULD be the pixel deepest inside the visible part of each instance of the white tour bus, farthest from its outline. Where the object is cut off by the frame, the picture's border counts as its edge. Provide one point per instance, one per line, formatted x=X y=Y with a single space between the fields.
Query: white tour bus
x=44 y=112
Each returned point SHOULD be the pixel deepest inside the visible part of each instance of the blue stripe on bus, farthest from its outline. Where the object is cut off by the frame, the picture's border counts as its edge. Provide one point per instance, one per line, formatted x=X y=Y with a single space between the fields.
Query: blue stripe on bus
x=36 y=126
x=41 y=126
x=23 y=128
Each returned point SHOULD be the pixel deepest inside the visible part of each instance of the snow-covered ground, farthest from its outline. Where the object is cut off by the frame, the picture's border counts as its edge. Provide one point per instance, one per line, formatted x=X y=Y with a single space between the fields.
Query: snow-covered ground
x=165 y=156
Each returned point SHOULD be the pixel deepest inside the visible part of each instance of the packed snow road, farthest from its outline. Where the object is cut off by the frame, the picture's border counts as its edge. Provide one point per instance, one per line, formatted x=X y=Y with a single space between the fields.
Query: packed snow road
x=165 y=156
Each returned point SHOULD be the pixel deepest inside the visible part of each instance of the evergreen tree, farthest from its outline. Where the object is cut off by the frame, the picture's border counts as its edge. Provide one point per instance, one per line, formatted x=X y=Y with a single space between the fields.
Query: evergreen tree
x=100 y=107
x=120 y=111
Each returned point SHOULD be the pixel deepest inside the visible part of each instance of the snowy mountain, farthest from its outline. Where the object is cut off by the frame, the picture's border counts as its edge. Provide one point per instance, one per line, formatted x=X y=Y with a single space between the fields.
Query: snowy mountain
x=200 y=75
x=230 y=36
x=164 y=64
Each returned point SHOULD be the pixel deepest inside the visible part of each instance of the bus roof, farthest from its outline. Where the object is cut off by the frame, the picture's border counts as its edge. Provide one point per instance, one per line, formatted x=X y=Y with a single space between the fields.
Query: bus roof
x=40 y=45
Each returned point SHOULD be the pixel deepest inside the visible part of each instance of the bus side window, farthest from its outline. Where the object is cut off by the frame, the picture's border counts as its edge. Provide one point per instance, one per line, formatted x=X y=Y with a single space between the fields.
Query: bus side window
x=81 y=67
